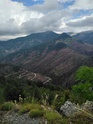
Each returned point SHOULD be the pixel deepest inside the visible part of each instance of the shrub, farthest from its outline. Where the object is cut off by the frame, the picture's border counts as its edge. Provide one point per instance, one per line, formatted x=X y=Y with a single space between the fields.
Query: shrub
x=81 y=118
x=7 y=106
x=58 y=102
x=27 y=107
x=84 y=74
x=53 y=117
x=35 y=113
x=83 y=91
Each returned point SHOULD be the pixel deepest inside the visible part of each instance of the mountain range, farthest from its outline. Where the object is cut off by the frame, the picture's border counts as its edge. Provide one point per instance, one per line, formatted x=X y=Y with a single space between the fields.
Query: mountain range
x=57 y=56
x=31 y=40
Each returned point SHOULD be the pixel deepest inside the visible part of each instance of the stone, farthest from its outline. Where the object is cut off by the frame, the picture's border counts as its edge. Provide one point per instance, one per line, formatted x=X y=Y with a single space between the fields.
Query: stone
x=15 y=118
x=68 y=109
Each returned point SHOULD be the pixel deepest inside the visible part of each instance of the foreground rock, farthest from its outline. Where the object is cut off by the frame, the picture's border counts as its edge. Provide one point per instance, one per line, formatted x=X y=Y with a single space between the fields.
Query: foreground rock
x=15 y=118
x=70 y=109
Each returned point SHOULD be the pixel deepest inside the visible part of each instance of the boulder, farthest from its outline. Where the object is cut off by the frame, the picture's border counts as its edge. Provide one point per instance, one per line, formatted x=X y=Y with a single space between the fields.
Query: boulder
x=69 y=108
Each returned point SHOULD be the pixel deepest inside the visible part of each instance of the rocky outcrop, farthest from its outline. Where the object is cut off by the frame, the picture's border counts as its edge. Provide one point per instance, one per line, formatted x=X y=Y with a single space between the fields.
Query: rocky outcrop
x=15 y=118
x=70 y=109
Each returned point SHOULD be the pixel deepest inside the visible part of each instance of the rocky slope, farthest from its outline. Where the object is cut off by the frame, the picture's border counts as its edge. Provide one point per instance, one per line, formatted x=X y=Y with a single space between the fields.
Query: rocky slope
x=15 y=118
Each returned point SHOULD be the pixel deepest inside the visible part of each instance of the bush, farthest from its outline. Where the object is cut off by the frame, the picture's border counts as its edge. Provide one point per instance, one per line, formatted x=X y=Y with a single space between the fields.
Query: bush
x=28 y=107
x=53 y=117
x=81 y=118
x=84 y=74
x=25 y=108
x=35 y=113
x=58 y=102
x=7 y=106
x=83 y=92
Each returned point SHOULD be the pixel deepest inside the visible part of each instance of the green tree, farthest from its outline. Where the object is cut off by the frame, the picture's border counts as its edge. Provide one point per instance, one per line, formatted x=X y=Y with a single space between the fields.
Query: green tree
x=83 y=92
x=84 y=74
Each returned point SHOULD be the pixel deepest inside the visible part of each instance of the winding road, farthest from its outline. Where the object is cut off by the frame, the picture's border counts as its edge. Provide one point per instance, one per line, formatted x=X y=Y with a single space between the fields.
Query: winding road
x=48 y=80
x=34 y=76
x=22 y=75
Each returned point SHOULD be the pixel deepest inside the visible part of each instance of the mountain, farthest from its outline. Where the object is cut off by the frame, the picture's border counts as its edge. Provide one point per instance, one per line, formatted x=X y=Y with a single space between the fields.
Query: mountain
x=57 y=58
x=85 y=37
x=13 y=45
x=53 y=59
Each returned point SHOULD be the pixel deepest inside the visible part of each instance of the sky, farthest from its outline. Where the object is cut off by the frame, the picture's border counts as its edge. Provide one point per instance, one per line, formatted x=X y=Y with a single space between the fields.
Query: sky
x=22 y=17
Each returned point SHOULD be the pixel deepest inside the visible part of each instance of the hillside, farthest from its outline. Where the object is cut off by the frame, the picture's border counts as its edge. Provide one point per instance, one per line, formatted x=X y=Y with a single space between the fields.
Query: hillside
x=85 y=37
x=56 y=56
x=14 y=45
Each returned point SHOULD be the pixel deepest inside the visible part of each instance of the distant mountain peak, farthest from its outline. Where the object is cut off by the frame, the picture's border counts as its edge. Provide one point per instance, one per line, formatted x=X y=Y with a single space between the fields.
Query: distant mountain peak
x=65 y=35
x=40 y=33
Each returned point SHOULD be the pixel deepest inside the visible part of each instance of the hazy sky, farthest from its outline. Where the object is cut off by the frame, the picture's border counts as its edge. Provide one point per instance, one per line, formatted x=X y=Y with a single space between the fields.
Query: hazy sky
x=22 y=17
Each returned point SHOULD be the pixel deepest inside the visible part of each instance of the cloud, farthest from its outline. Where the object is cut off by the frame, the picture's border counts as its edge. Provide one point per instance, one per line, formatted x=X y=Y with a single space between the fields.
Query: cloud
x=48 y=5
x=9 y=27
x=12 y=15
x=50 y=21
x=16 y=19
x=82 y=5
x=86 y=21
x=64 y=1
